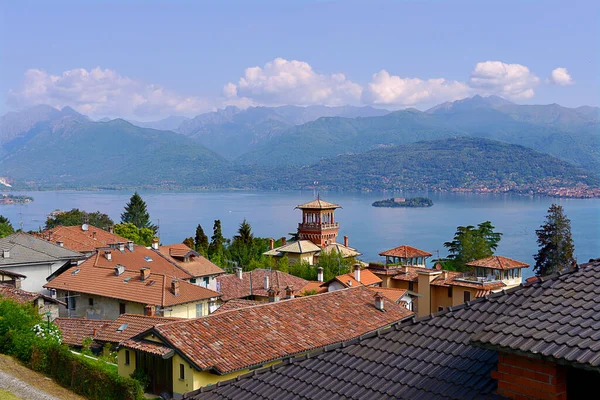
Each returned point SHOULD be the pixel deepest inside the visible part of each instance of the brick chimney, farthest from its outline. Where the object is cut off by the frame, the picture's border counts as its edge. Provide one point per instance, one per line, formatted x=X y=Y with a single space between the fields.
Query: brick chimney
x=283 y=241
x=144 y=273
x=320 y=274
x=272 y=243
x=150 y=311
x=111 y=229
x=238 y=271
x=289 y=292
x=346 y=241
x=266 y=282
x=61 y=243
x=108 y=255
x=119 y=269
x=130 y=245
x=357 y=272
x=379 y=301
x=273 y=295
x=155 y=243
x=175 y=287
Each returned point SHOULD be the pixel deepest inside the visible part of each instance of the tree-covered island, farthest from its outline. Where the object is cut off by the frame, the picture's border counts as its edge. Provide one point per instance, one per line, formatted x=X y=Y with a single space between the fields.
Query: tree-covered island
x=14 y=199
x=402 y=202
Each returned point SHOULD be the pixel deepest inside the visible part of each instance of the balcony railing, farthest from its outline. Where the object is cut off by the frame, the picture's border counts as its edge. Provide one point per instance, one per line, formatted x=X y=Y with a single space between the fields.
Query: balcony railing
x=317 y=227
x=471 y=277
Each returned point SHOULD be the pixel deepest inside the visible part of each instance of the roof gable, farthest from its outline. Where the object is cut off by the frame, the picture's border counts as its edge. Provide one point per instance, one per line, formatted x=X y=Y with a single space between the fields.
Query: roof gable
x=25 y=248
x=78 y=239
x=405 y=252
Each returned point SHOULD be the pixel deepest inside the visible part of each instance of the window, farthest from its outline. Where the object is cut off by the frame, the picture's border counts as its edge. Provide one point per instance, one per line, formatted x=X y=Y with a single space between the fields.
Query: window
x=506 y=274
x=206 y=281
x=450 y=291
x=181 y=371
x=466 y=296
x=126 y=357
x=71 y=302
x=411 y=286
x=193 y=280
x=122 y=308
x=199 y=310
x=91 y=302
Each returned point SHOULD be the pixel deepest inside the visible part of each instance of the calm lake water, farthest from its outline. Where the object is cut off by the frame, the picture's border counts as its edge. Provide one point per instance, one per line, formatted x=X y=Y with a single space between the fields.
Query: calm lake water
x=370 y=229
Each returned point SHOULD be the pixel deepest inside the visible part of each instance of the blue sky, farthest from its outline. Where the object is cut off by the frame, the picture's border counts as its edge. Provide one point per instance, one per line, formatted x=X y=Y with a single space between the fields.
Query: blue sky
x=147 y=60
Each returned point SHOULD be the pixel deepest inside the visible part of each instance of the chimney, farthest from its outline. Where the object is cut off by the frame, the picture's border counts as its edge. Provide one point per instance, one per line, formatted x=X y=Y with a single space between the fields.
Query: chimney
x=272 y=243
x=357 y=272
x=60 y=243
x=266 y=280
x=273 y=295
x=94 y=235
x=130 y=245
x=405 y=269
x=175 y=287
x=349 y=283
x=445 y=274
x=149 y=311
x=379 y=301
x=283 y=241
x=108 y=255
x=346 y=241
x=119 y=269
x=238 y=271
x=155 y=243
x=95 y=332
x=6 y=253
x=289 y=292
x=122 y=247
x=320 y=274
x=111 y=229
x=144 y=273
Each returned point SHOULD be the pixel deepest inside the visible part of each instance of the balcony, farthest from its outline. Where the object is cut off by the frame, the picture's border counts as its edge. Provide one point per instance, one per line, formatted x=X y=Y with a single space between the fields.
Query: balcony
x=482 y=280
x=317 y=227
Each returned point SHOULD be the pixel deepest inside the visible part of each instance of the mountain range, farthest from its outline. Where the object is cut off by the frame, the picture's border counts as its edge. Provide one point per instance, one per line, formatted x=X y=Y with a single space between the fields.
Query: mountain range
x=289 y=147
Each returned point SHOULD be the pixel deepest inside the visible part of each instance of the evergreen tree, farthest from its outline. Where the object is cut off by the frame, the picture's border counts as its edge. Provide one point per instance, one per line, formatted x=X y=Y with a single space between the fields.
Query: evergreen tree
x=136 y=213
x=6 y=227
x=471 y=243
x=556 y=244
x=216 y=246
x=189 y=242
x=244 y=236
x=201 y=240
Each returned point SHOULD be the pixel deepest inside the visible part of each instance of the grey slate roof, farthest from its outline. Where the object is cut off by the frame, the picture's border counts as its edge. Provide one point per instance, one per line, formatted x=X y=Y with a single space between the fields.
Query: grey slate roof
x=561 y=324
x=27 y=249
x=426 y=358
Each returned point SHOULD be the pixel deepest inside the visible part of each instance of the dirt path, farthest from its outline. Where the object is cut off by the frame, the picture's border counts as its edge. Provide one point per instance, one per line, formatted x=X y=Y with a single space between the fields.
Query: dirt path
x=30 y=385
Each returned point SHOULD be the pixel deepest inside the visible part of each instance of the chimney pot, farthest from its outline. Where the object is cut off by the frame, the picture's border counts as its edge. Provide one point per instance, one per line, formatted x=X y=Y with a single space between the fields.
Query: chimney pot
x=155 y=243
x=94 y=235
x=144 y=273
x=273 y=295
x=149 y=310
x=346 y=241
x=289 y=292
x=379 y=301
x=108 y=255
x=119 y=269
x=175 y=287
x=283 y=241
x=121 y=246
x=6 y=253
x=60 y=243
x=111 y=229
x=266 y=282
x=238 y=270
x=320 y=274
x=272 y=243
x=357 y=272
x=95 y=332
x=130 y=245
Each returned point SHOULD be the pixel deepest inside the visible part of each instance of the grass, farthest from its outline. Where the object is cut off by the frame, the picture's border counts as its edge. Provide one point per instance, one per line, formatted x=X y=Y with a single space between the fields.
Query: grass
x=6 y=395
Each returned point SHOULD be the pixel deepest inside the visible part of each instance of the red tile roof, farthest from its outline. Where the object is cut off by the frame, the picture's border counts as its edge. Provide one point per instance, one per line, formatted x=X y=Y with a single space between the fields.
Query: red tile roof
x=318 y=204
x=252 y=283
x=135 y=324
x=75 y=329
x=405 y=252
x=391 y=294
x=366 y=278
x=409 y=274
x=148 y=347
x=197 y=266
x=76 y=239
x=318 y=287
x=23 y=296
x=497 y=262
x=236 y=304
x=245 y=337
x=102 y=281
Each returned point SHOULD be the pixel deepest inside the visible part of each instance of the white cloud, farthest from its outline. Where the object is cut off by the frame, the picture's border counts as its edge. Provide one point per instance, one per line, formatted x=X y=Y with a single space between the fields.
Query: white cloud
x=293 y=82
x=506 y=80
x=103 y=92
x=386 y=89
x=560 y=76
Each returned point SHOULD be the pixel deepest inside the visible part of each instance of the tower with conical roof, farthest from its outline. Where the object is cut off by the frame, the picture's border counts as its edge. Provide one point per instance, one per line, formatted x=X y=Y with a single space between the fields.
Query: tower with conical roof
x=318 y=222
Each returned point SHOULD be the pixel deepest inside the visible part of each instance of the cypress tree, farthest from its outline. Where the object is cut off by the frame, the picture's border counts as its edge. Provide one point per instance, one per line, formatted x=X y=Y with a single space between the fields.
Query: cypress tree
x=215 y=248
x=136 y=213
x=200 y=240
x=556 y=244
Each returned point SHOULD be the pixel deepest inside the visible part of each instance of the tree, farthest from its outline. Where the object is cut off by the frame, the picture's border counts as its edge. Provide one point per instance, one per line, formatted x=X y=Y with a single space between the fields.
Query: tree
x=556 y=244
x=244 y=236
x=129 y=231
x=201 y=240
x=6 y=227
x=189 y=242
x=216 y=247
x=79 y=217
x=471 y=243
x=136 y=213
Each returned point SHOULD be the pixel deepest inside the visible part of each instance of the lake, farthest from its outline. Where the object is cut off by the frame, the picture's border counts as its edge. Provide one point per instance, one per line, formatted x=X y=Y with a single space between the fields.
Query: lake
x=371 y=230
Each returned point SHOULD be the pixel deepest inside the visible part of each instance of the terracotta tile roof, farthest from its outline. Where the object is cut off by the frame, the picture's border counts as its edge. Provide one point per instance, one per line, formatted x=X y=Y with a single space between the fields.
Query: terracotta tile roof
x=75 y=238
x=136 y=324
x=75 y=329
x=148 y=347
x=252 y=283
x=313 y=285
x=197 y=266
x=298 y=247
x=245 y=337
x=318 y=204
x=405 y=252
x=498 y=262
x=446 y=278
x=411 y=274
x=391 y=294
x=366 y=278
x=102 y=281
x=235 y=304
x=338 y=248
x=140 y=257
x=23 y=296
x=495 y=285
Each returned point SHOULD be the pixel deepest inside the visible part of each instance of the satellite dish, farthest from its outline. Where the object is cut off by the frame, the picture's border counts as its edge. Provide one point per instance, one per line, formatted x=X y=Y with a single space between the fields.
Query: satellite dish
x=84 y=227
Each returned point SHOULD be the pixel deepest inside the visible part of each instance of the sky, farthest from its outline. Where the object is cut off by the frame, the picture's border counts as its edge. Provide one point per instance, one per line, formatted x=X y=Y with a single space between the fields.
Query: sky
x=147 y=60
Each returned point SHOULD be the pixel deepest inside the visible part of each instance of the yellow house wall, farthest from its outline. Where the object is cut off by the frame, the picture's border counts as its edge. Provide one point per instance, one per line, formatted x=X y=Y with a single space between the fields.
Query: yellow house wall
x=439 y=298
x=458 y=295
x=125 y=370
x=187 y=310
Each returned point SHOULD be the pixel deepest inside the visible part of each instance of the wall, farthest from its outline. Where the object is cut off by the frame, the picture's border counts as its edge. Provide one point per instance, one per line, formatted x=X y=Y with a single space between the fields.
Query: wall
x=335 y=285
x=439 y=298
x=103 y=308
x=458 y=295
x=44 y=307
x=187 y=310
x=125 y=370
x=36 y=275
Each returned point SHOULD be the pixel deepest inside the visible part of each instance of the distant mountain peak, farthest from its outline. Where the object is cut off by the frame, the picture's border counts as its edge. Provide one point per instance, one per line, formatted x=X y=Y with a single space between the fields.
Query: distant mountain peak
x=469 y=103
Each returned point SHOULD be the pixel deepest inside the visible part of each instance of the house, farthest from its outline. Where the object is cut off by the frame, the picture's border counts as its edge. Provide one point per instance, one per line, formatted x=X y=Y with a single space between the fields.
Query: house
x=75 y=330
x=180 y=357
x=130 y=280
x=45 y=305
x=540 y=340
x=203 y=272
x=83 y=238
x=255 y=284
x=37 y=259
x=317 y=234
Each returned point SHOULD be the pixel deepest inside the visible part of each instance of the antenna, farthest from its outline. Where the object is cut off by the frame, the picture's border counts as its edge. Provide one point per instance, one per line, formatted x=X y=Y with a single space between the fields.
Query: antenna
x=21 y=217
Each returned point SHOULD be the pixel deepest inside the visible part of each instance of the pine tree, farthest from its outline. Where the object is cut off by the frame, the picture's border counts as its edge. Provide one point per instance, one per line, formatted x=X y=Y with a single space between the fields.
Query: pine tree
x=244 y=236
x=556 y=244
x=136 y=213
x=215 y=248
x=200 y=240
x=189 y=242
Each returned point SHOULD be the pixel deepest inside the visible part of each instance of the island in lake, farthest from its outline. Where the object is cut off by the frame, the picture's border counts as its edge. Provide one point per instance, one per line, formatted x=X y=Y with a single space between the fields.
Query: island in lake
x=14 y=199
x=402 y=202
